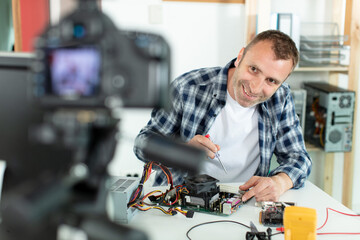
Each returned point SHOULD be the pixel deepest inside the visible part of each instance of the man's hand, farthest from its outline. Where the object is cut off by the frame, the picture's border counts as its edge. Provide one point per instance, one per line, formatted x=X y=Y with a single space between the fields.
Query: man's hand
x=205 y=144
x=266 y=188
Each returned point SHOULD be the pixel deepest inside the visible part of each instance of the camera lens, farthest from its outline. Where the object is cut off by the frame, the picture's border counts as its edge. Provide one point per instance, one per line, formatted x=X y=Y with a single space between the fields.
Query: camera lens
x=79 y=31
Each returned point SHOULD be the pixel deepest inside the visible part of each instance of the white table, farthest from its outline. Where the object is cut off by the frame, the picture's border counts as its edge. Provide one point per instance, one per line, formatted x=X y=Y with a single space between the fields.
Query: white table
x=160 y=226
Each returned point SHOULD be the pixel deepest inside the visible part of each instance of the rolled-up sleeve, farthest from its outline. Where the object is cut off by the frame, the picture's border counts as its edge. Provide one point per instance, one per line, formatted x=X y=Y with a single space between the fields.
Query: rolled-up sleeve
x=163 y=122
x=290 y=148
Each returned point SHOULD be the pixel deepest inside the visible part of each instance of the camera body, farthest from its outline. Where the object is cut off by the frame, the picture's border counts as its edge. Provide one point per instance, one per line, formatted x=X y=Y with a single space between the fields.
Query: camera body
x=85 y=70
x=86 y=62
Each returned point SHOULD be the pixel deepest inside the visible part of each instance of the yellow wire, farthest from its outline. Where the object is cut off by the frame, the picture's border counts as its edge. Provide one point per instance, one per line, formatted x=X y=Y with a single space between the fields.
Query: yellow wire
x=321 y=136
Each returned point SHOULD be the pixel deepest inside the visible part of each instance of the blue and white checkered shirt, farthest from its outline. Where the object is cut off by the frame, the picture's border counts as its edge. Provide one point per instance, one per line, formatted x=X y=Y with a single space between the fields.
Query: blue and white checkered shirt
x=199 y=96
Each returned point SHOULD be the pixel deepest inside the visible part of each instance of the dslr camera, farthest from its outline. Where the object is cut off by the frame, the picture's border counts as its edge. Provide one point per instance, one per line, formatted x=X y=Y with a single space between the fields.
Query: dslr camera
x=86 y=62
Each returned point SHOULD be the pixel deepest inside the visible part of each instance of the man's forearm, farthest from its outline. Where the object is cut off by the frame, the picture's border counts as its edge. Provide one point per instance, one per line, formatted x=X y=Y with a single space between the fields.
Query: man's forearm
x=283 y=181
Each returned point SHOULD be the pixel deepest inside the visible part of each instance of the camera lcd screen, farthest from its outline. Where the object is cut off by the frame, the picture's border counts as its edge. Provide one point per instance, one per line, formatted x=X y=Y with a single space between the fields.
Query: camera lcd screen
x=75 y=72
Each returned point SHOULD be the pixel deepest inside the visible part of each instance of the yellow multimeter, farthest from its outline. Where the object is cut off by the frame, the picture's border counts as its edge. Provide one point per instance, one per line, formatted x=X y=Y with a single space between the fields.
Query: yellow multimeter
x=299 y=223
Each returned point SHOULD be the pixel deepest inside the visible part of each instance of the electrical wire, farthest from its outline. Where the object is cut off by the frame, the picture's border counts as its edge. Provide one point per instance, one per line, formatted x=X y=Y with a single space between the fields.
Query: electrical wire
x=321 y=135
x=337 y=233
x=320 y=121
x=276 y=234
x=223 y=221
x=168 y=212
x=220 y=221
x=178 y=190
x=138 y=202
x=145 y=176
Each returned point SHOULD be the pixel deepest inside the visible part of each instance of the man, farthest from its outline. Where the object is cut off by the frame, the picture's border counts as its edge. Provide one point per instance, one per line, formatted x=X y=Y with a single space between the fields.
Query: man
x=248 y=111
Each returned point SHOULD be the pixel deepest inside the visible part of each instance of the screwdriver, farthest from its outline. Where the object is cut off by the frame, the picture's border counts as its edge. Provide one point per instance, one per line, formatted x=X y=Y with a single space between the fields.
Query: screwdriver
x=217 y=155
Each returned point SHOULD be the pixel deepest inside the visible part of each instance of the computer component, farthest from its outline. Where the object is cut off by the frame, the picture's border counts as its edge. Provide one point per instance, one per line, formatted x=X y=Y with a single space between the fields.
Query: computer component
x=329 y=116
x=203 y=191
x=299 y=96
x=120 y=191
x=272 y=213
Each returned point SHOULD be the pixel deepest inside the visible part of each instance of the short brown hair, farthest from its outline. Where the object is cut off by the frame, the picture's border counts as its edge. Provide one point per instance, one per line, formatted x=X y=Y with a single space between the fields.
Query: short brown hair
x=283 y=46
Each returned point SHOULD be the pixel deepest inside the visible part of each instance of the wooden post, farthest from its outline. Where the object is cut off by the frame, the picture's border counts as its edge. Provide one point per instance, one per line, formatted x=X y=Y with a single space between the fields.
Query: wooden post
x=17 y=25
x=250 y=13
x=328 y=173
x=354 y=77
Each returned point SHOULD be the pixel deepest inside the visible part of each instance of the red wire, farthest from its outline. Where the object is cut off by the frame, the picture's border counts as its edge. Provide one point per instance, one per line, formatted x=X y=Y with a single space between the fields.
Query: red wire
x=327 y=217
x=338 y=233
x=166 y=172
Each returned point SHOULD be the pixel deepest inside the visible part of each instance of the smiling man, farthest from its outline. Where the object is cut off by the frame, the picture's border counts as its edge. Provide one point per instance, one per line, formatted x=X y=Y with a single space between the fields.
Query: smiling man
x=247 y=109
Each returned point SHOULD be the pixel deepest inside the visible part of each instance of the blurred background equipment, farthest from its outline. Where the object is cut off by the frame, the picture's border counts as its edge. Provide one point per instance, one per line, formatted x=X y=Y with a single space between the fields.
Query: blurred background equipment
x=85 y=61
x=299 y=97
x=321 y=45
x=121 y=189
x=62 y=128
x=18 y=113
x=329 y=116
x=174 y=154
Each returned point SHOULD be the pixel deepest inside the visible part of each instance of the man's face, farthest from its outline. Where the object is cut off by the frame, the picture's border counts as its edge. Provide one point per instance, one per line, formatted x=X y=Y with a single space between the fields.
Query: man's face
x=258 y=74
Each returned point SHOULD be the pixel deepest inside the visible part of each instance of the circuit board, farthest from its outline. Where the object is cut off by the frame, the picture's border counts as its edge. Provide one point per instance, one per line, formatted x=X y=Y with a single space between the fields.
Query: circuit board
x=272 y=213
x=204 y=195
x=223 y=204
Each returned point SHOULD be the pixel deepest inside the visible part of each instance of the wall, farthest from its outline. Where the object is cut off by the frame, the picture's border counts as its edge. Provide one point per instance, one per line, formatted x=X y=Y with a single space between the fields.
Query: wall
x=199 y=34
x=31 y=19
x=192 y=29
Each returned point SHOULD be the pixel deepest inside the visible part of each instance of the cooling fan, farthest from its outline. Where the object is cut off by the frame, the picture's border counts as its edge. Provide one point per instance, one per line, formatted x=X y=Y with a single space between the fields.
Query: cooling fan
x=201 y=184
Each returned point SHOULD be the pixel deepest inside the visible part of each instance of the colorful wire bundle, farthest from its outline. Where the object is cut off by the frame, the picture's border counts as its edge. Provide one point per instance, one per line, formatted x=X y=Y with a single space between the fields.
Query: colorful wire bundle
x=145 y=176
x=319 y=120
x=138 y=202
x=178 y=190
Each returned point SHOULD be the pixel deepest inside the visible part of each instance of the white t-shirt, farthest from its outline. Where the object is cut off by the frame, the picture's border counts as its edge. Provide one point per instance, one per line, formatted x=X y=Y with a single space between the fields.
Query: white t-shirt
x=235 y=130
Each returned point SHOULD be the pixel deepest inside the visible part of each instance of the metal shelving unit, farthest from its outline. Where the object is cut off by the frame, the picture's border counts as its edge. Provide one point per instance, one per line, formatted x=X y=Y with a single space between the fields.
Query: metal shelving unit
x=255 y=15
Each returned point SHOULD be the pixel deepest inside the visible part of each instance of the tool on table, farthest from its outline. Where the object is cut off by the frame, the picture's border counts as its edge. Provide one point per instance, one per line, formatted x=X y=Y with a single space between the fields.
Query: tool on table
x=217 y=154
x=255 y=233
x=299 y=223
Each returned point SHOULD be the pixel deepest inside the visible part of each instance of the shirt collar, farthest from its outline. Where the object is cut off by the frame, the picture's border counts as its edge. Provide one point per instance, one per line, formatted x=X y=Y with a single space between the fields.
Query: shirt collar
x=220 y=87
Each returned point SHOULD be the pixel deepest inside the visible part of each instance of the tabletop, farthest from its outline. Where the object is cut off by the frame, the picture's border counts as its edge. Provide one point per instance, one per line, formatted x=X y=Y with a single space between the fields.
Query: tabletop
x=160 y=226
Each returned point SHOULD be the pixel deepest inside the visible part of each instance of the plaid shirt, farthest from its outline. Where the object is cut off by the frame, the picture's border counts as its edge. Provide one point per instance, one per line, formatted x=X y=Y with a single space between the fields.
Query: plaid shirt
x=199 y=96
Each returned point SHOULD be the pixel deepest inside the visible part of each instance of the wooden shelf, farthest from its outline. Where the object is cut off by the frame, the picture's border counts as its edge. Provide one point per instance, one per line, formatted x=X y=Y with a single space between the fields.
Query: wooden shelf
x=344 y=69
